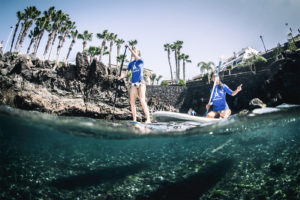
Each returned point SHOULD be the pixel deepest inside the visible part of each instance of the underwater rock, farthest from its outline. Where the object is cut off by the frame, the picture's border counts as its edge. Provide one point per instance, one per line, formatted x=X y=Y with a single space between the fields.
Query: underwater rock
x=256 y=103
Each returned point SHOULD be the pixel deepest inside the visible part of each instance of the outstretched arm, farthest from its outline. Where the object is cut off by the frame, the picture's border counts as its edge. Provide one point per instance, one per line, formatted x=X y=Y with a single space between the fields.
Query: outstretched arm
x=134 y=53
x=238 y=89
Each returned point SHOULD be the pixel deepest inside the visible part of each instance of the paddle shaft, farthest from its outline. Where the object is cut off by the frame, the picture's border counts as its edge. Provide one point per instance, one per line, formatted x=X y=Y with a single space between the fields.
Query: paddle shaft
x=113 y=113
x=212 y=92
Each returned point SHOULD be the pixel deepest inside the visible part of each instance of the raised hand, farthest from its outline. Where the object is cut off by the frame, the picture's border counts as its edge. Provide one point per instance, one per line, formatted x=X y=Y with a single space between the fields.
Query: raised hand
x=239 y=88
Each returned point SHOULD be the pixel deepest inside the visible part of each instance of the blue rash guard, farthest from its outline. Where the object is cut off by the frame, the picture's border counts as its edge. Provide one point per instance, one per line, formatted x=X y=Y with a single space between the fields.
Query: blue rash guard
x=136 y=67
x=219 y=98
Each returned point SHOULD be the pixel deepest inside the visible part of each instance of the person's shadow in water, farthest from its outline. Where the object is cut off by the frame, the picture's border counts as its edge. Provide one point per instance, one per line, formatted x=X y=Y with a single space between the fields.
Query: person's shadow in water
x=95 y=177
x=193 y=186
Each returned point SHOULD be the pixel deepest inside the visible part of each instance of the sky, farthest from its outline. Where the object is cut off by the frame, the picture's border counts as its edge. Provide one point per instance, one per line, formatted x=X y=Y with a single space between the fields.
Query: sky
x=209 y=29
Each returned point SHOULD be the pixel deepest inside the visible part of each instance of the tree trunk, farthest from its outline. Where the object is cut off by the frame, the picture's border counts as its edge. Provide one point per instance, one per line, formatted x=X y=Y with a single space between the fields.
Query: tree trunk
x=176 y=65
x=24 y=34
x=110 y=50
x=118 y=53
x=20 y=35
x=183 y=70
x=170 y=65
x=38 y=41
x=53 y=41
x=58 y=49
x=50 y=37
x=131 y=57
x=70 y=48
x=84 y=45
x=102 y=49
x=31 y=42
x=61 y=44
x=14 y=36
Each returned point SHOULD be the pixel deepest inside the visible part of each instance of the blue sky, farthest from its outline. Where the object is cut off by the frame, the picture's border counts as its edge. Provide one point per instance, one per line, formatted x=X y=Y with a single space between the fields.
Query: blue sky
x=209 y=29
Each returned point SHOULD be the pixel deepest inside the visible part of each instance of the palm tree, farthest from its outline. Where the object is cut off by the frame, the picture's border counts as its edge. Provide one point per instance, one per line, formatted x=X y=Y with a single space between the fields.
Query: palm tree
x=206 y=67
x=111 y=37
x=185 y=59
x=106 y=52
x=118 y=43
x=102 y=36
x=178 y=45
x=20 y=17
x=152 y=78
x=158 y=78
x=57 y=18
x=86 y=36
x=60 y=19
x=69 y=25
x=43 y=23
x=92 y=52
x=132 y=43
x=32 y=35
x=74 y=35
x=168 y=49
x=31 y=13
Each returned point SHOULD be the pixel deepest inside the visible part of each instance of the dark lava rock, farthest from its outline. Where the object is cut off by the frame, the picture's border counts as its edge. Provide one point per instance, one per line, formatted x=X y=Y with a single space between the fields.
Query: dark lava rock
x=75 y=90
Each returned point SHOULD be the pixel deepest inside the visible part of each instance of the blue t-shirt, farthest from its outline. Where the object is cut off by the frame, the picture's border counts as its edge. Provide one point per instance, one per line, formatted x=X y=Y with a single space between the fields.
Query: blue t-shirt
x=219 y=98
x=136 y=67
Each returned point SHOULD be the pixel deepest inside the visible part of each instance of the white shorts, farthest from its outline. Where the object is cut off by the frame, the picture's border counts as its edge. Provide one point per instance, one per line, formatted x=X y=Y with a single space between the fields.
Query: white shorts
x=137 y=84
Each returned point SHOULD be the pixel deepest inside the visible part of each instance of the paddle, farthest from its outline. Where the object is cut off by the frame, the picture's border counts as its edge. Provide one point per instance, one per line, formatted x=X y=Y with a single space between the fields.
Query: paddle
x=113 y=113
x=212 y=92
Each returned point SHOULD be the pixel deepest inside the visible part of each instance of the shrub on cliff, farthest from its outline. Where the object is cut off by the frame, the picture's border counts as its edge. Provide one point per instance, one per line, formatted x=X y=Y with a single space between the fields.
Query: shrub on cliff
x=291 y=47
x=164 y=83
x=182 y=83
x=256 y=60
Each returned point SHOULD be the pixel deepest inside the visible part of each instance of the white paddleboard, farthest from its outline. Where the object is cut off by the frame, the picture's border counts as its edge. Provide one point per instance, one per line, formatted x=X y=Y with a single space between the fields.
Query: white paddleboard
x=165 y=116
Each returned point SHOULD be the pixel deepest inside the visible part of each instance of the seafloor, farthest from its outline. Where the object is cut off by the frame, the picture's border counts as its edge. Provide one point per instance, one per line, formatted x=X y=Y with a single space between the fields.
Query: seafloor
x=261 y=161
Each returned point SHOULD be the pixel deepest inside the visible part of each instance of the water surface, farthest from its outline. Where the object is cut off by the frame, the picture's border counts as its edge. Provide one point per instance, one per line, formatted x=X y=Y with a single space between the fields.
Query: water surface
x=50 y=157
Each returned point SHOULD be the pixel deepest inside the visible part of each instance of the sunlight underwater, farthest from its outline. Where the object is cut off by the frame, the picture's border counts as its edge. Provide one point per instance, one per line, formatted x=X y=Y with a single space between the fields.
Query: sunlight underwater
x=46 y=156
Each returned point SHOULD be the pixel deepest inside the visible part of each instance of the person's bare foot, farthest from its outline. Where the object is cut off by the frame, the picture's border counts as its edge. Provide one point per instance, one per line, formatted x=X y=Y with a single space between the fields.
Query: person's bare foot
x=148 y=121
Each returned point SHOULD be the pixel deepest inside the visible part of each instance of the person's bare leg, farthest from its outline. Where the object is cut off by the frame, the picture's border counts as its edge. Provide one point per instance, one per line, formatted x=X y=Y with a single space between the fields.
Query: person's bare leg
x=132 y=96
x=225 y=113
x=211 y=114
x=142 y=96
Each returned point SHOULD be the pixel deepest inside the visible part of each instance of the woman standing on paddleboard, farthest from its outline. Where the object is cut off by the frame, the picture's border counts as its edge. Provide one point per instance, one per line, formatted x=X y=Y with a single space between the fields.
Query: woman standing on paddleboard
x=138 y=86
x=220 y=106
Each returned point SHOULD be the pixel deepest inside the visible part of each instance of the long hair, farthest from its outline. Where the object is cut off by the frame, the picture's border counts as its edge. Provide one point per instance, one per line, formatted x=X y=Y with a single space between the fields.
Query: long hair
x=220 y=82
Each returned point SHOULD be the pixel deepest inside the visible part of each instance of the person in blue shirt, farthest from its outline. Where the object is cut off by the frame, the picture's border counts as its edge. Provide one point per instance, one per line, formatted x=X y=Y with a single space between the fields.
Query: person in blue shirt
x=220 y=106
x=138 y=86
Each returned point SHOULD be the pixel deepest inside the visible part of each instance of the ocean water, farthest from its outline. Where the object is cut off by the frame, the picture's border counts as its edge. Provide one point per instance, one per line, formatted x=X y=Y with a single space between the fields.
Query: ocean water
x=44 y=156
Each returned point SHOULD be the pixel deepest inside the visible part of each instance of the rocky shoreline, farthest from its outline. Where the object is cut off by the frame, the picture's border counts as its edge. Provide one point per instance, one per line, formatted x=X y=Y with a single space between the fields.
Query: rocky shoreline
x=80 y=89
x=83 y=89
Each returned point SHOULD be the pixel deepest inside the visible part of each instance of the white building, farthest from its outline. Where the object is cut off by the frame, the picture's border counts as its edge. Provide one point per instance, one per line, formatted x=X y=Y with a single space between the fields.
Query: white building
x=239 y=57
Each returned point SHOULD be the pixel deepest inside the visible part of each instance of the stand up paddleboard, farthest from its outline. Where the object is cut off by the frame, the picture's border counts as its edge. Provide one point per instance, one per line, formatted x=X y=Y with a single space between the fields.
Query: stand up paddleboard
x=165 y=116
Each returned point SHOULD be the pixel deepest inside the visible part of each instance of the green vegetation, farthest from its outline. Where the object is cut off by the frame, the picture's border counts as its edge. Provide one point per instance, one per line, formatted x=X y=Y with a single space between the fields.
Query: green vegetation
x=92 y=52
x=291 y=47
x=158 y=78
x=182 y=82
x=206 y=68
x=185 y=59
x=277 y=52
x=152 y=78
x=255 y=60
x=85 y=36
x=129 y=76
x=176 y=48
x=164 y=83
x=58 y=25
